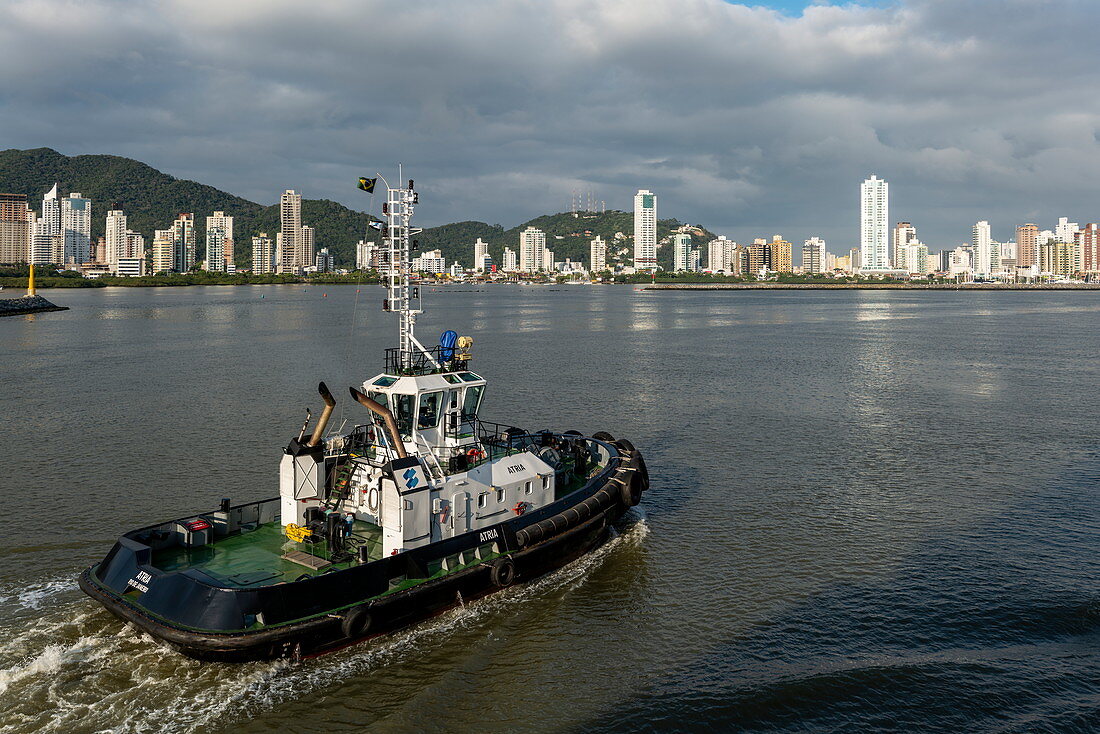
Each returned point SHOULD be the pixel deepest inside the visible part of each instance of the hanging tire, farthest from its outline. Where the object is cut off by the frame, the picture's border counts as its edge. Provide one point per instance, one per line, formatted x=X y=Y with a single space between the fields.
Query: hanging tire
x=356 y=623
x=625 y=445
x=603 y=436
x=503 y=573
x=631 y=492
x=642 y=472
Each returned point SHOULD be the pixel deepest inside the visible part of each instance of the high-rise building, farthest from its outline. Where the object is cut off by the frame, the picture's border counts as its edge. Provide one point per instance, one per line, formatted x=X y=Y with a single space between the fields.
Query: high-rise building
x=1065 y=230
x=219 y=243
x=681 y=252
x=76 y=229
x=430 y=262
x=183 y=243
x=16 y=228
x=366 y=255
x=1087 y=242
x=874 y=215
x=42 y=244
x=645 y=230
x=263 y=255
x=325 y=262
x=782 y=257
x=509 y=260
x=987 y=254
x=760 y=256
x=1057 y=258
x=532 y=243
x=1027 y=245
x=598 y=255
x=290 y=218
x=163 y=251
x=720 y=254
x=481 y=251
x=215 y=249
x=813 y=255
x=547 y=263
x=306 y=246
x=900 y=236
x=49 y=228
x=915 y=256
x=115 y=239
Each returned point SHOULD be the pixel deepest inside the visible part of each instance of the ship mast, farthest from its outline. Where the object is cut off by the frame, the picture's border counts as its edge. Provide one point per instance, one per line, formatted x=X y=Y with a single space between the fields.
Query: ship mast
x=402 y=297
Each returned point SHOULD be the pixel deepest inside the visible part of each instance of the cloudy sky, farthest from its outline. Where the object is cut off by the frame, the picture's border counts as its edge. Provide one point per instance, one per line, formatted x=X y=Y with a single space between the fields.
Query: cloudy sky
x=752 y=120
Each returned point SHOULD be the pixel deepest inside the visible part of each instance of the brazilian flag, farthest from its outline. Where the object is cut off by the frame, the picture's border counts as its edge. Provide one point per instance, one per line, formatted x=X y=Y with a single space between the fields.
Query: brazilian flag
x=367 y=184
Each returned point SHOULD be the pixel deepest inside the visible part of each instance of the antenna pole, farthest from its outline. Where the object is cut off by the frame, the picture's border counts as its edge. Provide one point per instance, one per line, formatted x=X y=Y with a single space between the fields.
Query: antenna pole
x=400 y=296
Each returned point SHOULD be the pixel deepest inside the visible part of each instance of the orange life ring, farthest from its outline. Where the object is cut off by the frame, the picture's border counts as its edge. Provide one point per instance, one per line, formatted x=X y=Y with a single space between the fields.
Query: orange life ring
x=475 y=454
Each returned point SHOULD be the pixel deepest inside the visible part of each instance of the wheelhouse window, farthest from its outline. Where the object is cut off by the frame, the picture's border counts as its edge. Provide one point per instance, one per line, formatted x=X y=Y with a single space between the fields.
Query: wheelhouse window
x=403 y=413
x=472 y=401
x=429 y=410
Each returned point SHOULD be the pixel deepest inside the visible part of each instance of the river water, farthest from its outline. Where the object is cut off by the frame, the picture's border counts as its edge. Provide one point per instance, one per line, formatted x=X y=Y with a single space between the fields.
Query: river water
x=870 y=511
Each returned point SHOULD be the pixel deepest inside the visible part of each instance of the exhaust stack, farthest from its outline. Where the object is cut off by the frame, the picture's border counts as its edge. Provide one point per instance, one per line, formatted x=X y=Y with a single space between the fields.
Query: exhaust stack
x=322 y=422
x=387 y=418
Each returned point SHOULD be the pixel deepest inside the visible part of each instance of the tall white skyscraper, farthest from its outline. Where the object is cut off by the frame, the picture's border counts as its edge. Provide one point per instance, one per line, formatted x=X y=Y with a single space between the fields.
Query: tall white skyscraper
x=290 y=218
x=481 y=251
x=598 y=255
x=115 y=236
x=532 y=242
x=813 y=255
x=183 y=243
x=874 y=215
x=163 y=251
x=681 y=253
x=307 y=249
x=263 y=255
x=219 y=242
x=901 y=235
x=986 y=255
x=76 y=228
x=645 y=230
x=720 y=255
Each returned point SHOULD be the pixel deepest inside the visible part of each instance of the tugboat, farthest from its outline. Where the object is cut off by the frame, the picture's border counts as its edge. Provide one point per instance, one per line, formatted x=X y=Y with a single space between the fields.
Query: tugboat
x=421 y=507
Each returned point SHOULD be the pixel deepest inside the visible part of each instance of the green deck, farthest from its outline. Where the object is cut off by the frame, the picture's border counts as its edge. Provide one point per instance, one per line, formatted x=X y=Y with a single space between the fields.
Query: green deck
x=254 y=557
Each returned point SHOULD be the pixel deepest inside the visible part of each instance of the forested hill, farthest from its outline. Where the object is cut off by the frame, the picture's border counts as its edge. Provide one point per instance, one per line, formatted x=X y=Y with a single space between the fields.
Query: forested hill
x=152 y=200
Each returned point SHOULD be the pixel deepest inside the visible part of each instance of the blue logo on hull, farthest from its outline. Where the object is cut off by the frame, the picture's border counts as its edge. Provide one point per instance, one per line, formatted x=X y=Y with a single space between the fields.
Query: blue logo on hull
x=411 y=480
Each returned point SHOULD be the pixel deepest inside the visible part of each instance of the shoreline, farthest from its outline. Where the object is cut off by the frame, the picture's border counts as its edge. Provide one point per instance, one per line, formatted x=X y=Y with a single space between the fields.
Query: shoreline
x=872 y=286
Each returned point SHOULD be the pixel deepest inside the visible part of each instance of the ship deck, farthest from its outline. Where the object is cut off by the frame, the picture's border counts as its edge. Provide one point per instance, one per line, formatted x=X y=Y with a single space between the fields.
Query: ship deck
x=255 y=557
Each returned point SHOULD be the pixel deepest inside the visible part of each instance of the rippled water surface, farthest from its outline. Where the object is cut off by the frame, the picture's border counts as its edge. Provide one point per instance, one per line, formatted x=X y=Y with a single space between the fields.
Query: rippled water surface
x=870 y=511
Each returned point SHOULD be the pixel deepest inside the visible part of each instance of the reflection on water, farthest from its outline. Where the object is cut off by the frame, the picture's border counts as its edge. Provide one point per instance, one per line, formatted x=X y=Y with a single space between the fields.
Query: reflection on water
x=870 y=510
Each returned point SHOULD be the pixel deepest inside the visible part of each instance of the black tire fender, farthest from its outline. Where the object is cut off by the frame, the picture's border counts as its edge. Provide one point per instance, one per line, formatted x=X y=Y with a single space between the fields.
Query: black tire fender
x=630 y=491
x=503 y=573
x=603 y=436
x=356 y=623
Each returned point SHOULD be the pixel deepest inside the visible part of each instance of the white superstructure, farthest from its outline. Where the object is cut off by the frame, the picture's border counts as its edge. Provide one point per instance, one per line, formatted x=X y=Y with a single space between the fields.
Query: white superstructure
x=420 y=468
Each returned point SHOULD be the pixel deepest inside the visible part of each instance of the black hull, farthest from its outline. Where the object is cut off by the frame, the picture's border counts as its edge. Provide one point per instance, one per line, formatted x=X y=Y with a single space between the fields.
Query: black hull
x=541 y=543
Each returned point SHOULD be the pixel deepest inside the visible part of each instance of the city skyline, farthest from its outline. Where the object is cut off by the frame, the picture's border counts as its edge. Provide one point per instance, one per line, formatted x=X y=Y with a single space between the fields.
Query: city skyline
x=730 y=132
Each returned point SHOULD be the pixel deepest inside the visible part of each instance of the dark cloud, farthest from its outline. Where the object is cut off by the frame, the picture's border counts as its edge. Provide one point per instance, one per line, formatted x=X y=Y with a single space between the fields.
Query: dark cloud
x=741 y=118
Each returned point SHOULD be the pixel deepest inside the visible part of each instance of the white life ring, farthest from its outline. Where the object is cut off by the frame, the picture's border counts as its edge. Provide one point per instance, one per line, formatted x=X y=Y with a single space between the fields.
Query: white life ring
x=372 y=500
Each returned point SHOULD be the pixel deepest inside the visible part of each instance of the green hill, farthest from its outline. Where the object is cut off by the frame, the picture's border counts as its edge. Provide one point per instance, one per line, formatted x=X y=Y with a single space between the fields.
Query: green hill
x=152 y=200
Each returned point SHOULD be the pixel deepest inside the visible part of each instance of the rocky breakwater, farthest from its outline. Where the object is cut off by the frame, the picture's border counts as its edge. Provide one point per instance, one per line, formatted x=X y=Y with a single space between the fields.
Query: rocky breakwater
x=27 y=304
